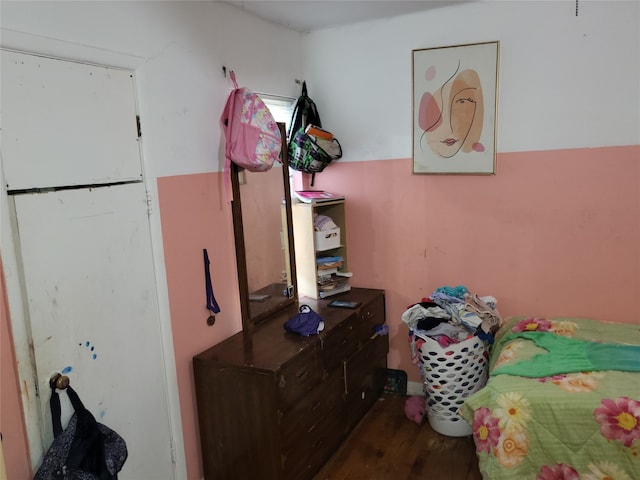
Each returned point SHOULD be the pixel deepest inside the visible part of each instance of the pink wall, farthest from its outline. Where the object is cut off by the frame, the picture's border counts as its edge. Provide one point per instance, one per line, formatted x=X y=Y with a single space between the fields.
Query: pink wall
x=553 y=233
x=195 y=216
x=14 y=438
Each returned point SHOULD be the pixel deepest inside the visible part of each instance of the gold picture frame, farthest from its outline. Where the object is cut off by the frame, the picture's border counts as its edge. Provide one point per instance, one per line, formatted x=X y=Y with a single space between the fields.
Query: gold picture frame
x=455 y=93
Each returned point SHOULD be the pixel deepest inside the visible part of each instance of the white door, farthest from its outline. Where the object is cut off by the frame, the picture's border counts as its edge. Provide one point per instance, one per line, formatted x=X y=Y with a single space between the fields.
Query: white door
x=88 y=281
x=92 y=305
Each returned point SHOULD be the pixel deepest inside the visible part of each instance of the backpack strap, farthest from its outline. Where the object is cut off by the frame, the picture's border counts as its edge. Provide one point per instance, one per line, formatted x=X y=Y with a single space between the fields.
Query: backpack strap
x=299 y=115
x=87 y=451
x=58 y=381
x=312 y=115
x=78 y=406
x=226 y=124
x=54 y=405
x=232 y=74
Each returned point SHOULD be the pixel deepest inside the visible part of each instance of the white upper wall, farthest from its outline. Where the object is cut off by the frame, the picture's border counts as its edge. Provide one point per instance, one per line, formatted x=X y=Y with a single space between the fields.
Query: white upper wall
x=564 y=81
x=177 y=50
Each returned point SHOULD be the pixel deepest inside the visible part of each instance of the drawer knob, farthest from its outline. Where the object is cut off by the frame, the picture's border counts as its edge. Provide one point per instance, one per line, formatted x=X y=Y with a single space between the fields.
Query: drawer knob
x=301 y=374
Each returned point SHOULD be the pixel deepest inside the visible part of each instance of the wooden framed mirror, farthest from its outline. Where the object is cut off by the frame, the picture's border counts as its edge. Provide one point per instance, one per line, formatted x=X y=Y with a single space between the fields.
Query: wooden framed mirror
x=263 y=231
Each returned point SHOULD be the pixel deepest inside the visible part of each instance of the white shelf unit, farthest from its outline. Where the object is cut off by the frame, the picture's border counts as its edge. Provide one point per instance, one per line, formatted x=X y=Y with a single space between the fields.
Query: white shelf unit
x=307 y=247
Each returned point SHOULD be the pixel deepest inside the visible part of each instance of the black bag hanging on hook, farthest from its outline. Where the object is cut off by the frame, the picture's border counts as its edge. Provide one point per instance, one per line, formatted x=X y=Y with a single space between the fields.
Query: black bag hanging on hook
x=308 y=153
x=86 y=449
x=304 y=113
x=311 y=154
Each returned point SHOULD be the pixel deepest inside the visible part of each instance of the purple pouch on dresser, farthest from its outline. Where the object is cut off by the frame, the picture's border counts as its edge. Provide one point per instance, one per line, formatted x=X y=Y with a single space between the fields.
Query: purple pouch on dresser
x=306 y=322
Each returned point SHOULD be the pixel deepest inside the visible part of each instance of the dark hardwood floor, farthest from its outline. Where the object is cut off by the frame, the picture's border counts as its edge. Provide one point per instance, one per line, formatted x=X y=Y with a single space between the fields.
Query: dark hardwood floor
x=386 y=445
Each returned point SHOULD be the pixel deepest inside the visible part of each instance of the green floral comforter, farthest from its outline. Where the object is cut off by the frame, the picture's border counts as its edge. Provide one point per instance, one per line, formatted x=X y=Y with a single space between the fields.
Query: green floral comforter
x=583 y=425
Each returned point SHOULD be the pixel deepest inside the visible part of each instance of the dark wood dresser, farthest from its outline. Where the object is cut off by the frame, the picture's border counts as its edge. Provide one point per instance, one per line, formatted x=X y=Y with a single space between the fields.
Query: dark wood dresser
x=282 y=411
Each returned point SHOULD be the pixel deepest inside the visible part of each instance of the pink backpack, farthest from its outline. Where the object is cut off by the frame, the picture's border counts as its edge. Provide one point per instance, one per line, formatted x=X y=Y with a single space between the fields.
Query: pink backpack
x=251 y=134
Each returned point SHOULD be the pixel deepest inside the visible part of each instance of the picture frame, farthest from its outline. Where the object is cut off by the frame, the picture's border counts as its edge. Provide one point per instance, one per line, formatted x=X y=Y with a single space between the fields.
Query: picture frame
x=454 y=98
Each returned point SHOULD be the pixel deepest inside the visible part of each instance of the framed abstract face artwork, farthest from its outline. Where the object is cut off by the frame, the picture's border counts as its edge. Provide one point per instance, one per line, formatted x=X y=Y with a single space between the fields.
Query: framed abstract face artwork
x=454 y=109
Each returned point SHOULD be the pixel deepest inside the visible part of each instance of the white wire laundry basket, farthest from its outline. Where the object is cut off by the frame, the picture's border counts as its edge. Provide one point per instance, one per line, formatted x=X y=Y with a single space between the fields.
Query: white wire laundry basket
x=451 y=374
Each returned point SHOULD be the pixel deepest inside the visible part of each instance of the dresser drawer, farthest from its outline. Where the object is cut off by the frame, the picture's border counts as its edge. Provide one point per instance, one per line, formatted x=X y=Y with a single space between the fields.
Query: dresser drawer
x=298 y=376
x=303 y=417
x=310 y=450
x=339 y=344
x=365 y=376
x=371 y=315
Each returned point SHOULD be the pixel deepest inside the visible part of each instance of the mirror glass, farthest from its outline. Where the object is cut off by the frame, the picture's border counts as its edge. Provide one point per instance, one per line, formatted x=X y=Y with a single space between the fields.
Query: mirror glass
x=265 y=217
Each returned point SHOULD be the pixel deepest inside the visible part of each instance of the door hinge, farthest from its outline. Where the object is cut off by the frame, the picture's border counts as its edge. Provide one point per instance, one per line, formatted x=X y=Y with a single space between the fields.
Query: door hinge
x=139 y=126
x=173 y=452
x=148 y=202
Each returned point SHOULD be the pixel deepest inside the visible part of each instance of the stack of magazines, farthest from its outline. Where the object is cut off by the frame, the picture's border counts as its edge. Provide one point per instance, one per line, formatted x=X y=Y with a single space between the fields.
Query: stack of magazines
x=331 y=280
x=317 y=196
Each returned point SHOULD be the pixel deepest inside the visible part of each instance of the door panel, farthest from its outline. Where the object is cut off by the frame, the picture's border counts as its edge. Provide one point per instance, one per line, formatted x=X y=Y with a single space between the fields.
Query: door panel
x=93 y=312
x=67 y=123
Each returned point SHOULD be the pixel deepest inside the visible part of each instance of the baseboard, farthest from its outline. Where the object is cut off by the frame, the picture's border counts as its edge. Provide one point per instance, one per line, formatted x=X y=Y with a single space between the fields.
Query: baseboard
x=415 y=388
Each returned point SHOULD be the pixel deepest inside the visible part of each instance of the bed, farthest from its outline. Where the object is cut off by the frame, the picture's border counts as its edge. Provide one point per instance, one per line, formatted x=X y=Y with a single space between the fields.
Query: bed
x=562 y=401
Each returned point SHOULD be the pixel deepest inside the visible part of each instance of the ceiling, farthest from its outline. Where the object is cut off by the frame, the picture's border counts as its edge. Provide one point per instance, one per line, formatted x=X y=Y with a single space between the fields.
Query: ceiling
x=309 y=15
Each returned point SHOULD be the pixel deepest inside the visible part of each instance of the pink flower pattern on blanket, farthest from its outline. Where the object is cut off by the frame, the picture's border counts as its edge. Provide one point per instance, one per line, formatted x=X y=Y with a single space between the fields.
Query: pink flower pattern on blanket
x=619 y=419
x=560 y=471
x=533 y=325
x=575 y=382
x=486 y=432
